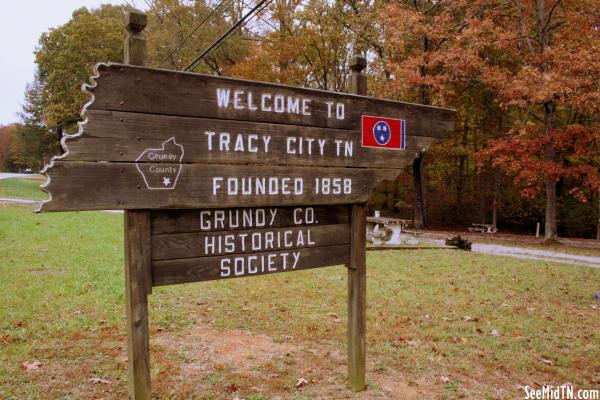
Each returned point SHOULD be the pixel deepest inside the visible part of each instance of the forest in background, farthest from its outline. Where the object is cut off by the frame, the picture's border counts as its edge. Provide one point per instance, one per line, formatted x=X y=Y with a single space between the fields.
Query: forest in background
x=524 y=76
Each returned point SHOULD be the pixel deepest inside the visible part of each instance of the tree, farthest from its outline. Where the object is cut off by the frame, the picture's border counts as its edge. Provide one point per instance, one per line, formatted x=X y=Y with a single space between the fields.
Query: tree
x=179 y=31
x=549 y=80
x=536 y=58
x=7 y=134
x=64 y=58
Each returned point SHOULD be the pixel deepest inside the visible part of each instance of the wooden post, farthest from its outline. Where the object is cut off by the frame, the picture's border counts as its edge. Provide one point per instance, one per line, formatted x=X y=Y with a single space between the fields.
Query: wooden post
x=138 y=282
x=357 y=269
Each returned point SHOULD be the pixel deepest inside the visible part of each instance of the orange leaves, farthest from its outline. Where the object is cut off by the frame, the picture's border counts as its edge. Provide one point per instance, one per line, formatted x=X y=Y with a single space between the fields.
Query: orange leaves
x=539 y=66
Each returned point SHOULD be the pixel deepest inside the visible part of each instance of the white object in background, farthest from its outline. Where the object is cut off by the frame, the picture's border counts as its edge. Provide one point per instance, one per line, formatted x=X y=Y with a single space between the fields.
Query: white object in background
x=377 y=235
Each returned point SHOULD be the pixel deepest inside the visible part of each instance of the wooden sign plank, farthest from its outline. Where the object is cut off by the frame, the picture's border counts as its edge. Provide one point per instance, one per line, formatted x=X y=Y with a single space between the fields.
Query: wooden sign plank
x=169 y=272
x=231 y=219
x=213 y=243
x=93 y=186
x=146 y=90
x=214 y=141
x=163 y=139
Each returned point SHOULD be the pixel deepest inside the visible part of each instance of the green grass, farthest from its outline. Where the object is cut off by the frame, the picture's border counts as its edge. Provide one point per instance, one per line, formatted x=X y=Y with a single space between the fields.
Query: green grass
x=62 y=302
x=22 y=188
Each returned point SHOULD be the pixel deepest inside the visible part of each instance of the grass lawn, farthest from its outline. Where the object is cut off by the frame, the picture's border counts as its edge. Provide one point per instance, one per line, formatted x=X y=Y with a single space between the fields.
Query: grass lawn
x=442 y=324
x=22 y=188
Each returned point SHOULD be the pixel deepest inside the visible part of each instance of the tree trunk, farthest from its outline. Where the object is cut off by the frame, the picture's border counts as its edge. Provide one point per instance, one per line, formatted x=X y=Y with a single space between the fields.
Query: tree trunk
x=460 y=175
x=418 y=177
x=550 y=225
x=419 y=188
x=495 y=199
x=550 y=230
x=598 y=226
x=482 y=197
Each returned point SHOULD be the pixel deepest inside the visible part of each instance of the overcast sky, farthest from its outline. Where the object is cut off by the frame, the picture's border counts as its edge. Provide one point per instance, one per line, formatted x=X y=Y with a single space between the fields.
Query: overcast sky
x=21 y=24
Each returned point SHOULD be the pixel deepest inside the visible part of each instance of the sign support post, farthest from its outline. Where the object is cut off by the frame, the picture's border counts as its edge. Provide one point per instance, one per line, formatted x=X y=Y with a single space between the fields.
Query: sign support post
x=357 y=269
x=138 y=280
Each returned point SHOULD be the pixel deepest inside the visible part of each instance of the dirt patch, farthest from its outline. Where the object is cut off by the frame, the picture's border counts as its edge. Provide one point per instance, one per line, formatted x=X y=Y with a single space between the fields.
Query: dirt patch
x=204 y=346
x=228 y=364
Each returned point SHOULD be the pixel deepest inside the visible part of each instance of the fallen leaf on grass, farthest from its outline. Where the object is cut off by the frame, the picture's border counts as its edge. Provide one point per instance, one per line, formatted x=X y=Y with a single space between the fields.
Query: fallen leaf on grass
x=546 y=361
x=232 y=388
x=301 y=382
x=28 y=366
x=466 y=318
x=96 y=381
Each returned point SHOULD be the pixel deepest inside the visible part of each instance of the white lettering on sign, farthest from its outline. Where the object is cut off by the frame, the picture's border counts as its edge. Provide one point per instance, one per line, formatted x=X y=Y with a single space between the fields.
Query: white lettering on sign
x=263 y=240
x=157 y=175
x=278 y=103
x=307 y=218
x=301 y=145
x=263 y=263
x=234 y=218
x=333 y=185
x=245 y=143
x=339 y=110
x=257 y=143
x=277 y=185
x=248 y=186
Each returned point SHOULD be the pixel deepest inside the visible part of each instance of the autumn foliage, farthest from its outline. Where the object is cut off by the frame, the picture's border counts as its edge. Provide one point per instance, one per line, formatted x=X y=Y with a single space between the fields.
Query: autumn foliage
x=524 y=76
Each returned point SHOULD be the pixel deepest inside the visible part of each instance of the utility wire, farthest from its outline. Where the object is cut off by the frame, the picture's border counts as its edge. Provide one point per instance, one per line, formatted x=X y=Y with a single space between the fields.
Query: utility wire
x=189 y=35
x=217 y=43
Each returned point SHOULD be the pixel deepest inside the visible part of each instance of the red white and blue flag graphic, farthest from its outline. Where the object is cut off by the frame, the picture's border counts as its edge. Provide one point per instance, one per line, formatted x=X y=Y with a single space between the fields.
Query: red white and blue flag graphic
x=387 y=133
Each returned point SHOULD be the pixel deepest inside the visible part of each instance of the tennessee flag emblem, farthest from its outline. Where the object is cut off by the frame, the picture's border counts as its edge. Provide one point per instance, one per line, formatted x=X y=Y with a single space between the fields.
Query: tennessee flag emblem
x=387 y=133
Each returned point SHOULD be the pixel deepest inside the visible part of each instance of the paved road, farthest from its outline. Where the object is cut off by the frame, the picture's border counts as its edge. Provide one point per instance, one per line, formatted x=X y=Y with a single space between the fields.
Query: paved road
x=529 y=254
x=6 y=175
x=17 y=201
x=4 y=200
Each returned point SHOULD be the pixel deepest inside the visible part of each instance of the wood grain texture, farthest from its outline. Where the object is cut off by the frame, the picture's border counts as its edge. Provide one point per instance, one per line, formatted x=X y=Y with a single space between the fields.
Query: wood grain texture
x=169 y=272
x=357 y=299
x=192 y=245
x=357 y=267
x=123 y=136
x=137 y=286
x=129 y=88
x=182 y=221
x=138 y=278
x=94 y=186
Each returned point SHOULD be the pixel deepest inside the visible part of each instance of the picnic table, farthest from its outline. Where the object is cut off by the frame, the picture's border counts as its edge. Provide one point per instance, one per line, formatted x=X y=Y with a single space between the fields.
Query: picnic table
x=395 y=225
x=483 y=228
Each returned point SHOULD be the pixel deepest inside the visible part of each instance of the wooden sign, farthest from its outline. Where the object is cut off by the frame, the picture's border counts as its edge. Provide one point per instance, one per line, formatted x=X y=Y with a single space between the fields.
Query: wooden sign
x=200 y=245
x=225 y=178
x=164 y=139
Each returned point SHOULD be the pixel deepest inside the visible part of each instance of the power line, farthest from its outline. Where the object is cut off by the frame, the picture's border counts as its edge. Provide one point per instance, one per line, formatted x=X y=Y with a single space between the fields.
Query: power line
x=206 y=18
x=217 y=43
